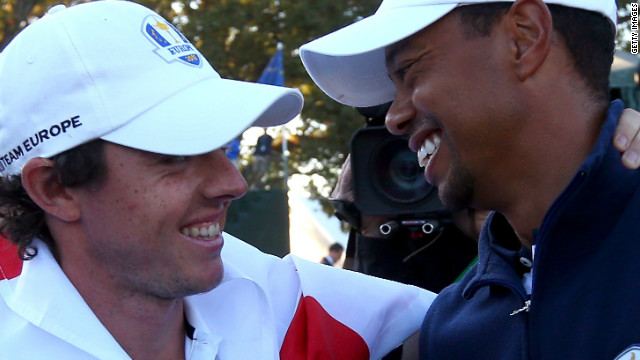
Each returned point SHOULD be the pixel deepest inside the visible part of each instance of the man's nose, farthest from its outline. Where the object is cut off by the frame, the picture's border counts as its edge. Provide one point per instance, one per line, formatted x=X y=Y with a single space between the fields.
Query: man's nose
x=400 y=115
x=224 y=180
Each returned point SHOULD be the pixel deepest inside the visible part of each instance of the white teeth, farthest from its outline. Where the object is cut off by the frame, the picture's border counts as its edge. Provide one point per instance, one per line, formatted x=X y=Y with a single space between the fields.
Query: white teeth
x=428 y=148
x=436 y=140
x=422 y=156
x=203 y=232
x=195 y=232
x=214 y=230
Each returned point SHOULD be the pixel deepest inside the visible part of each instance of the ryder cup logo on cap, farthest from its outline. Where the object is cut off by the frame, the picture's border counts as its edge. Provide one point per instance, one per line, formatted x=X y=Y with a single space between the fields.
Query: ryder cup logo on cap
x=117 y=71
x=85 y=70
x=172 y=45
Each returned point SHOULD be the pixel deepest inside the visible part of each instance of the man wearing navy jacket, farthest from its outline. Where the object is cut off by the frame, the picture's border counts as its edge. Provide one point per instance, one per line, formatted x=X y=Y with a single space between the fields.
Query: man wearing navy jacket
x=507 y=106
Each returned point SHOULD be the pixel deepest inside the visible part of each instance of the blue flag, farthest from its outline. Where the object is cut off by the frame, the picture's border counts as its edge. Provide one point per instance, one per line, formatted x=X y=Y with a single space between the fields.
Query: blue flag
x=273 y=74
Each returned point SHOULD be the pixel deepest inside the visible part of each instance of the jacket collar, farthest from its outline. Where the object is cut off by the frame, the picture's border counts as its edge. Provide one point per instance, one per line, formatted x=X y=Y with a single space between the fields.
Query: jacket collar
x=498 y=259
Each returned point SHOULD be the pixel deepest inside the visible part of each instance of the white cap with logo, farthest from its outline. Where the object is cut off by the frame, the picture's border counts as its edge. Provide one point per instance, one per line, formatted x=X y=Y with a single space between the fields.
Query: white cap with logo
x=349 y=65
x=117 y=71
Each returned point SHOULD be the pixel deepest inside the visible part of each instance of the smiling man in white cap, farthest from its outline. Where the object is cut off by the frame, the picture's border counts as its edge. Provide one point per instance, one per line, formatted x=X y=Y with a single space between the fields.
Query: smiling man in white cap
x=507 y=106
x=114 y=190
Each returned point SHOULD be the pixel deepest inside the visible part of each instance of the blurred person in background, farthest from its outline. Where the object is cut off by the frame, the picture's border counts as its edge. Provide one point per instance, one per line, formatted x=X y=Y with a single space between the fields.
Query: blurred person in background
x=335 y=254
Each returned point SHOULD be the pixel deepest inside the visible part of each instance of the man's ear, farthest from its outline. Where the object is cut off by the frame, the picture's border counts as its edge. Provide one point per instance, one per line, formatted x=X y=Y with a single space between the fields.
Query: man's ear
x=530 y=27
x=42 y=185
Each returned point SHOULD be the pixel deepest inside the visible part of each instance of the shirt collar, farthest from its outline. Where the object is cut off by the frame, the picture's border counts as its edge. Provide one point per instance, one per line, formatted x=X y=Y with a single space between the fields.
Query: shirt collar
x=45 y=297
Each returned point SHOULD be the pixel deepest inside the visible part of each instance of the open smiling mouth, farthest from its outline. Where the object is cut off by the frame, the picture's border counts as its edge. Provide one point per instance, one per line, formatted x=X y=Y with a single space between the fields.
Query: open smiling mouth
x=202 y=231
x=428 y=148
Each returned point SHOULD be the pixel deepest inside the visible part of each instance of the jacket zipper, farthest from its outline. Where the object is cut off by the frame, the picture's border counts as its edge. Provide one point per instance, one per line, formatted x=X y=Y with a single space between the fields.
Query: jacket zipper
x=577 y=181
x=525 y=308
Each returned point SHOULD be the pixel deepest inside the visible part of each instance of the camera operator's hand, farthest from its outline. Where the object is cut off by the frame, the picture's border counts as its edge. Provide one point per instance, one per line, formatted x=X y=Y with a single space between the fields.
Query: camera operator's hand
x=369 y=224
x=627 y=138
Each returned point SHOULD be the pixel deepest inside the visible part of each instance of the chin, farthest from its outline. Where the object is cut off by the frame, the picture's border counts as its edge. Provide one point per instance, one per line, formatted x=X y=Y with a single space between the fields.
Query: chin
x=202 y=280
x=457 y=193
x=214 y=278
x=455 y=199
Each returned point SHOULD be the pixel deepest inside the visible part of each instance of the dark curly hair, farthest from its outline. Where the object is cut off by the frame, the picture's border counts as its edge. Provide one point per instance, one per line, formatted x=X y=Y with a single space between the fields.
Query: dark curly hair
x=588 y=36
x=22 y=220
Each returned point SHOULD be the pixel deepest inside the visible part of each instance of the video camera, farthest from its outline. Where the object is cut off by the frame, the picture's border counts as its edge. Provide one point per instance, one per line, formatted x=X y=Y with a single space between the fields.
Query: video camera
x=387 y=179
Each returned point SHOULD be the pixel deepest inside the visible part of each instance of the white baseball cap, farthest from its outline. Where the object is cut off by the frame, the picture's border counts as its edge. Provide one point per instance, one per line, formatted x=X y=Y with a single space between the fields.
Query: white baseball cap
x=117 y=71
x=349 y=65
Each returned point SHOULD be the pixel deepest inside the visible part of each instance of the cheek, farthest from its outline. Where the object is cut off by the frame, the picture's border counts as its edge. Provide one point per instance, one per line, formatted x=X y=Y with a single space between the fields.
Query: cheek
x=124 y=199
x=468 y=143
x=148 y=204
x=440 y=99
x=423 y=97
x=130 y=198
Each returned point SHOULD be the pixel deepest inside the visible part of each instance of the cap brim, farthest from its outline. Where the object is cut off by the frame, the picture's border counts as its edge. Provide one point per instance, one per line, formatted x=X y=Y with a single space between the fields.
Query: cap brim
x=349 y=64
x=206 y=116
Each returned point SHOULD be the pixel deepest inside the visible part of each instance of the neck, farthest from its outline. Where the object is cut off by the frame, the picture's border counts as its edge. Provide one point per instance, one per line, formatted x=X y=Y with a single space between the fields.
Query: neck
x=555 y=146
x=146 y=327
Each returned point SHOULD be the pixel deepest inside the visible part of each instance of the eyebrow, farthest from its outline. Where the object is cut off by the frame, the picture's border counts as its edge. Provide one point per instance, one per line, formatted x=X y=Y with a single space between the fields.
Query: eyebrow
x=393 y=51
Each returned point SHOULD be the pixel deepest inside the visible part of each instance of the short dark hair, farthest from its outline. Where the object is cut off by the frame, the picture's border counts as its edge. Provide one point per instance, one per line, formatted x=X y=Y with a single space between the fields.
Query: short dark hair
x=336 y=247
x=22 y=220
x=588 y=36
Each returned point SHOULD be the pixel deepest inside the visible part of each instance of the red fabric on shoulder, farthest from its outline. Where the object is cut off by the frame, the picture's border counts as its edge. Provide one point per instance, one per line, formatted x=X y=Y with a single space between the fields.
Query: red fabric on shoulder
x=10 y=263
x=314 y=334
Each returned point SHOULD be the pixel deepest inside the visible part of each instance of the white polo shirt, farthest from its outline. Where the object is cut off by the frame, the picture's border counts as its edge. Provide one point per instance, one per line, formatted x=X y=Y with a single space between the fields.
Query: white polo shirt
x=265 y=307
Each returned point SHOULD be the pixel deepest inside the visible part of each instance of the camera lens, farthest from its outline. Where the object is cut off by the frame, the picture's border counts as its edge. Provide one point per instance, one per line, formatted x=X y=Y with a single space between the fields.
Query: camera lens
x=396 y=172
